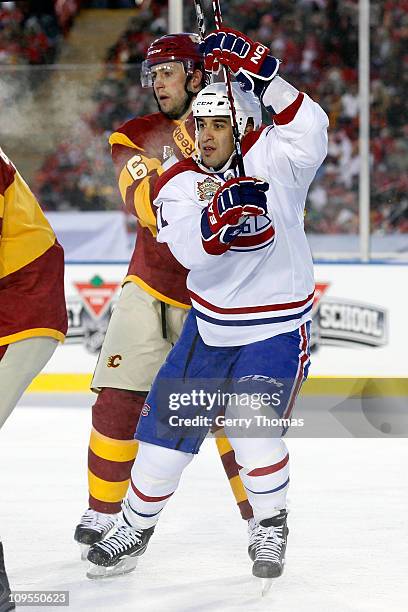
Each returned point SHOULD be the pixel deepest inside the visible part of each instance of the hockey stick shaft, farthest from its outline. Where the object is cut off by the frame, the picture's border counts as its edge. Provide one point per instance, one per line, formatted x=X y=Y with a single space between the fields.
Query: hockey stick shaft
x=200 y=18
x=227 y=78
x=217 y=14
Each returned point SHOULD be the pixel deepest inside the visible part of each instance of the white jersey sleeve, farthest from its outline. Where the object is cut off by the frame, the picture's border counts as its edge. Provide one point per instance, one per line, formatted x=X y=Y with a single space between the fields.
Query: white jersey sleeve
x=291 y=151
x=302 y=139
x=288 y=154
x=178 y=221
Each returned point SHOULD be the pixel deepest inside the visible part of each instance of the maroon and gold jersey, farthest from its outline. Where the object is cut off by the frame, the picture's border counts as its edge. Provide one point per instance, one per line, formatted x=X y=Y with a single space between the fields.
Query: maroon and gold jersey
x=139 y=149
x=32 y=301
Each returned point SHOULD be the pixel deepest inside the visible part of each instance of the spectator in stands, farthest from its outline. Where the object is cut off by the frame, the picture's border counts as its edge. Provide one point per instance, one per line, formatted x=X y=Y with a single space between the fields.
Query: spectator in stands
x=318 y=39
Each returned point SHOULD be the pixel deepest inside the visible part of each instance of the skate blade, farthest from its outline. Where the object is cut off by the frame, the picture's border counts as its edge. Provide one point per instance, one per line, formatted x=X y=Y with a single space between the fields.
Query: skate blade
x=125 y=566
x=265 y=586
x=84 y=551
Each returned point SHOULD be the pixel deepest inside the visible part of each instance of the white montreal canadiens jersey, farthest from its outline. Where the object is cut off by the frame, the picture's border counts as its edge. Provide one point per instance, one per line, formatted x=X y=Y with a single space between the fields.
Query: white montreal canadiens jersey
x=263 y=285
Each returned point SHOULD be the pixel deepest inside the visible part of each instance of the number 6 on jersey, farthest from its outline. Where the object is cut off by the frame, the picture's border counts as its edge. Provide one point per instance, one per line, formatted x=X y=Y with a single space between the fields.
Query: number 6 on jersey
x=137 y=168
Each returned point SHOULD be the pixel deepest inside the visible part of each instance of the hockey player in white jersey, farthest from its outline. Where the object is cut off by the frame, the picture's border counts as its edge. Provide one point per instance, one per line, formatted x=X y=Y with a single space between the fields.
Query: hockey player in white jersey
x=251 y=285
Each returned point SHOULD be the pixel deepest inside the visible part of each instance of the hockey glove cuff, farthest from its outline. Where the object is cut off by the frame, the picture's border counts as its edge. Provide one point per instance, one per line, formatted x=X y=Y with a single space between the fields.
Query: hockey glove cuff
x=224 y=218
x=250 y=61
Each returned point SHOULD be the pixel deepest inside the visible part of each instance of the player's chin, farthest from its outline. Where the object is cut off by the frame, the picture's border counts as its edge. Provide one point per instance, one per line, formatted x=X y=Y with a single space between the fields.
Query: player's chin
x=170 y=111
x=167 y=105
x=209 y=158
x=164 y=105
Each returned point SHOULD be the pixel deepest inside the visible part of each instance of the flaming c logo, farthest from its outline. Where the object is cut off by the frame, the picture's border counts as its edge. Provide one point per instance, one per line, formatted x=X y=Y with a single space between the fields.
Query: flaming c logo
x=114 y=361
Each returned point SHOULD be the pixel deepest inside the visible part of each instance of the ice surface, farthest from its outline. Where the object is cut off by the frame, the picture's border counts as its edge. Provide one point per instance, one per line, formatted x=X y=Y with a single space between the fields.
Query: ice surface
x=347 y=548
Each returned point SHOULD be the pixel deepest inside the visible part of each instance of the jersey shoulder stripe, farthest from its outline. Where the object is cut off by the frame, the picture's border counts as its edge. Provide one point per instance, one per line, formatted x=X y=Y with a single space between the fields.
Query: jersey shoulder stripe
x=185 y=165
x=137 y=131
x=251 y=138
x=289 y=113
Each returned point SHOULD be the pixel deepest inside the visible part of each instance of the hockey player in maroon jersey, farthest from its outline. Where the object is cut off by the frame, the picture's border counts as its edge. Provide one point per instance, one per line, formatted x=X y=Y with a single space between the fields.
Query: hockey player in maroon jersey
x=33 y=316
x=33 y=313
x=154 y=301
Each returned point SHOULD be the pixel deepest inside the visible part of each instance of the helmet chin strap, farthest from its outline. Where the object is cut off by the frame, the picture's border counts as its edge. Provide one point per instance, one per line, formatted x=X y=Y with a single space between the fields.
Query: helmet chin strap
x=209 y=169
x=190 y=95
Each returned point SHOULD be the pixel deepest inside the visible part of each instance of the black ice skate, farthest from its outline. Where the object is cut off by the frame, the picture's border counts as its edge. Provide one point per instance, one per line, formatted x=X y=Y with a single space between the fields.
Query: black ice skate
x=93 y=527
x=270 y=549
x=118 y=554
x=5 y=604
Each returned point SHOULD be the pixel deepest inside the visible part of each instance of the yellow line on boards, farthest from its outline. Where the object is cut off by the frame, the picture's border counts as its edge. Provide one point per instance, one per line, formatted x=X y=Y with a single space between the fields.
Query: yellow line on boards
x=315 y=385
x=60 y=383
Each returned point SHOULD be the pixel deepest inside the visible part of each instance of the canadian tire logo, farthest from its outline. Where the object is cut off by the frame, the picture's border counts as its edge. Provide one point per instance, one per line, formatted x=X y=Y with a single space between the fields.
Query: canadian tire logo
x=342 y=322
x=89 y=311
x=96 y=295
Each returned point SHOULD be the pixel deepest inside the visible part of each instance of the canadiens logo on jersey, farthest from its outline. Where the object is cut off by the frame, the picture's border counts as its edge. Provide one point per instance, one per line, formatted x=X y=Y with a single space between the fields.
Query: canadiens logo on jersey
x=258 y=233
x=207 y=189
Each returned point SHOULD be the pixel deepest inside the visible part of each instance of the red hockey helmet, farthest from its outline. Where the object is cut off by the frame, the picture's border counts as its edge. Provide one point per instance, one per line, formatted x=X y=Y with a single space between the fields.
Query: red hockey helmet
x=172 y=48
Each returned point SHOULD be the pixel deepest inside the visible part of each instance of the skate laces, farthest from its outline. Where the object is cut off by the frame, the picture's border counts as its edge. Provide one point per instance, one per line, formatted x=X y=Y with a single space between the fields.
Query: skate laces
x=252 y=532
x=121 y=540
x=269 y=542
x=97 y=520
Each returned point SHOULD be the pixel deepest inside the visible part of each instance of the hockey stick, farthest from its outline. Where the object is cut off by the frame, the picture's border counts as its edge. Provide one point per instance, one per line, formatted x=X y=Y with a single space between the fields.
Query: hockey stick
x=227 y=79
x=200 y=18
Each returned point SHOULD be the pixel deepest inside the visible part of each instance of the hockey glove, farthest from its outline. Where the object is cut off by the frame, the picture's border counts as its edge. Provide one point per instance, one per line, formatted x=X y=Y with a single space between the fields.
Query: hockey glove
x=224 y=218
x=250 y=61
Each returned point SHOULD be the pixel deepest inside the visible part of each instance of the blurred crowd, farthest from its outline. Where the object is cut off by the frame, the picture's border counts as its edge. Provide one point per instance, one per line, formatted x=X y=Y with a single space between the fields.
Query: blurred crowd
x=31 y=32
x=317 y=41
x=79 y=174
x=110 y=4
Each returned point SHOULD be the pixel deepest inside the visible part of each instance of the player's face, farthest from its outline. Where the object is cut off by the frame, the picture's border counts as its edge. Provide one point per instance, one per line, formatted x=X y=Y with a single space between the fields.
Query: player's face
x=169 y=86
x=215 y=140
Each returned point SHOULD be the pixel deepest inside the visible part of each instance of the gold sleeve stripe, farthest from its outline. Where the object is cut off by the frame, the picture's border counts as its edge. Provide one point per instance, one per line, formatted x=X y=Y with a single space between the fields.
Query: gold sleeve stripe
x=125 y=181
x=121 y=139
x=238 y=489
x=33 y=333
x=223 y=443
x=107 y=491
x=111 y=449
x=159 y=296
x=26 y=232
x=142 y=193
x=143 y=207
x=1 y=206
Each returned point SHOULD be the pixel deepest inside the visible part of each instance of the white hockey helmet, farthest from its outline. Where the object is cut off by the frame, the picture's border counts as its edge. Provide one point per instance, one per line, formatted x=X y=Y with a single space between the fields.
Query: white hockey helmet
x=212 y=101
